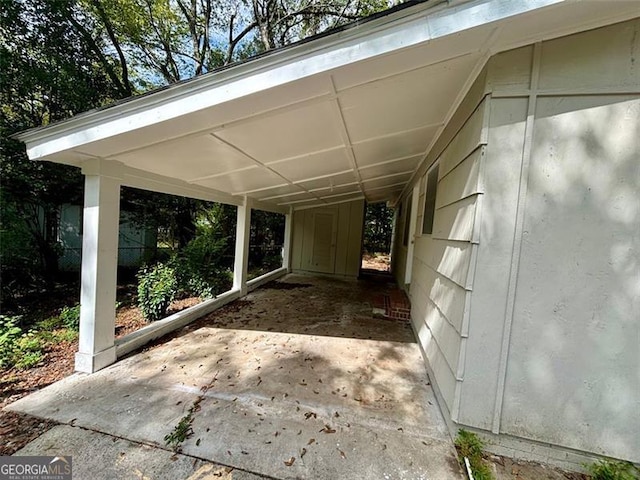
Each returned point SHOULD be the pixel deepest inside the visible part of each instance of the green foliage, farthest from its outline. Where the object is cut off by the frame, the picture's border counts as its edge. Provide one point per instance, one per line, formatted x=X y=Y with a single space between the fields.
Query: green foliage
x=181 y=431
x=70 y=317
x=199 y=268
x=613 y=470
x=18 y=349
x=157 y=287
x=10 y=334
x=378 y=224
x=470 y=445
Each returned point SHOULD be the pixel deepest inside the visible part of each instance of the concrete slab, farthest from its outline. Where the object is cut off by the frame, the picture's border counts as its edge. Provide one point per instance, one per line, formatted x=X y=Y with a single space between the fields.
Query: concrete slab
x=304 y=361
x=102 y=457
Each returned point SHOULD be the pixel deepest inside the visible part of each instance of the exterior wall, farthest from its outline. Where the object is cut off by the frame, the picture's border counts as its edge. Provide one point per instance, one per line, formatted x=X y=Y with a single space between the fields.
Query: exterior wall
x=441 y=275
x=348 y=253
x=552 y=352
x=525 y=296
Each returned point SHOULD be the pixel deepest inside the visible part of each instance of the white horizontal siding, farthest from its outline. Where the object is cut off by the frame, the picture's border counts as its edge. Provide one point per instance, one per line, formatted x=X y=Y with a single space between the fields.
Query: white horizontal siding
x=455 y=221
x=466 y=141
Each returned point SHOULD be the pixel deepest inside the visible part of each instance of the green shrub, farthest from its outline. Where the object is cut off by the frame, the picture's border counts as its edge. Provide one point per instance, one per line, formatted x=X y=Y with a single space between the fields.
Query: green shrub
x=28 y=360
x=470 y=445
x=612 y=470
x=10 y=334
x=198 y=267
x=70 y=317
x=157 y=287
x=18 y=349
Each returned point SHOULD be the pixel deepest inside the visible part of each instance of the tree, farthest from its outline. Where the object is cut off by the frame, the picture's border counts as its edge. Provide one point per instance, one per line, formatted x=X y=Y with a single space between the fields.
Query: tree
x=377 y=228
x=159 y=42
x=48 y=73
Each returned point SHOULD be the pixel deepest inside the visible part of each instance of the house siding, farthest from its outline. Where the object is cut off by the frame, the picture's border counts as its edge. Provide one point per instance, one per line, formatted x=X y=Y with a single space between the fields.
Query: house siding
x=552 y=353
x=525 y=296
x=441 y=272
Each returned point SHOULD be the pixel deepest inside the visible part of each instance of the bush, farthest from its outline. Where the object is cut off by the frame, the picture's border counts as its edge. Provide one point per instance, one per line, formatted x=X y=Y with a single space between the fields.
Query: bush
x=612 y=470
x=18 y=349
x=470 y=445
x=157 y=287
x=198 y=267
x=70 y=317
x=10 y=334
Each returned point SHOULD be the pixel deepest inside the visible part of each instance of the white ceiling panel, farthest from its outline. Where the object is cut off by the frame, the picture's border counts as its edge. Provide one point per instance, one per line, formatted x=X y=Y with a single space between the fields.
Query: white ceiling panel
x=344 y=197
x=390 y=168
x=289 y=199
x=407 y=59
x=406 y=101
x=377 y=150
x=326 y=192
x=386 y=181
x=344 y=178
x=244 y=181
x=313 y=165
x=292 y=133
x=277 y=192
x=187 y=158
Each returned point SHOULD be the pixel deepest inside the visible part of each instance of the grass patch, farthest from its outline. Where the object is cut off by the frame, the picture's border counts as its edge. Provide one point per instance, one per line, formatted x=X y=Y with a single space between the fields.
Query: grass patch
x=612 y=470
x=470 y=445
x=183 y=429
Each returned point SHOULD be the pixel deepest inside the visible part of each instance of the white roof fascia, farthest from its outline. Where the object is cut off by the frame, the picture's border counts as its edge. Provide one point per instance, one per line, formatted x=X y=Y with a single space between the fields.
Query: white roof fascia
x=399 y=30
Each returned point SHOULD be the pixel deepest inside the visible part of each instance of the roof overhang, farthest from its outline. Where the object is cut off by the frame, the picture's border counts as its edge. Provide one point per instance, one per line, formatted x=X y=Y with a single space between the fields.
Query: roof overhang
x=347 y=116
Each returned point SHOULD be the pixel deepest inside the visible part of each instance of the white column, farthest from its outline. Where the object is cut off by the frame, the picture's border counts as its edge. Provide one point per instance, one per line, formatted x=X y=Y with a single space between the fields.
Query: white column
x=96 y=347
x=286 y=247
x=241 y=263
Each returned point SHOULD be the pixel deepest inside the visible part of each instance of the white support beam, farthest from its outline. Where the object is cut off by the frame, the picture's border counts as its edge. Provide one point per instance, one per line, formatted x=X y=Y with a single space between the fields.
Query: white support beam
x=96 y=347
x=288 y=233
x=241 y=263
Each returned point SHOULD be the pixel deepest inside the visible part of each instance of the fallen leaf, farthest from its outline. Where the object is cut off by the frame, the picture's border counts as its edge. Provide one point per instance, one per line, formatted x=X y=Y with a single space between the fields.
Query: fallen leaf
x=311 y=440
x=303 y=452
x=328 y=429
x=289 y=462
x=342 y=453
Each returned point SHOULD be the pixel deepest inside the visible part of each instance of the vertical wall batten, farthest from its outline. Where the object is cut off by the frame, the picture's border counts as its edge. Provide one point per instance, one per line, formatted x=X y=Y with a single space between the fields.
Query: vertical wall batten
x=517 y=238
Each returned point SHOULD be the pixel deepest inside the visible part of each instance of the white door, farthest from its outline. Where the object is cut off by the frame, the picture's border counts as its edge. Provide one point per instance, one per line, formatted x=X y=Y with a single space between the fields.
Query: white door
x=323 y=253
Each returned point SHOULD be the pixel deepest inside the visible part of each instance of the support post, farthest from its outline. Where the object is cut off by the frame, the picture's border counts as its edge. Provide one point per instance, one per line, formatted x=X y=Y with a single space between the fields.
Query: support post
x=286 y=247
x=96 y=347
x=241 y=264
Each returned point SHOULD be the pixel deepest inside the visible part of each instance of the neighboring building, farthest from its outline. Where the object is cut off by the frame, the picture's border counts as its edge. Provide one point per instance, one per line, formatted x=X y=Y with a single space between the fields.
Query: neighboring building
x=134 y=244
x=506 y=133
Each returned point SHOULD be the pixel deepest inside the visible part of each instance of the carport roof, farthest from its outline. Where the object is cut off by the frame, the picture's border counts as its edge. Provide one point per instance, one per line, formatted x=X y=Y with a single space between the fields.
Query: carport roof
x=340 y=117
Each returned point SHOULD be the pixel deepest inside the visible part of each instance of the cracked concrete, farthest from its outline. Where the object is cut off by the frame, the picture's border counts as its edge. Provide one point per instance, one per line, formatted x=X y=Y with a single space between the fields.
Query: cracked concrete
x=301 y=371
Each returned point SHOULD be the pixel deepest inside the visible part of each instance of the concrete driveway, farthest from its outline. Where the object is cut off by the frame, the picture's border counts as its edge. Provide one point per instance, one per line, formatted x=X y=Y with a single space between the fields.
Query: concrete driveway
x=297 y=380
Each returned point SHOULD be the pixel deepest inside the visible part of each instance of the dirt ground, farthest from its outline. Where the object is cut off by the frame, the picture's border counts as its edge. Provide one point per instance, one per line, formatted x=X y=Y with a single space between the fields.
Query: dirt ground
x=377 y=262
x=58 y=362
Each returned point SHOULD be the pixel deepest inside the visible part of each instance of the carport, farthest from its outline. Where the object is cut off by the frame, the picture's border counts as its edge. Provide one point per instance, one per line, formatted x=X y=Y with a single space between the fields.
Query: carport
x=297 y=380
x=458 y=105
x=334 y=120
